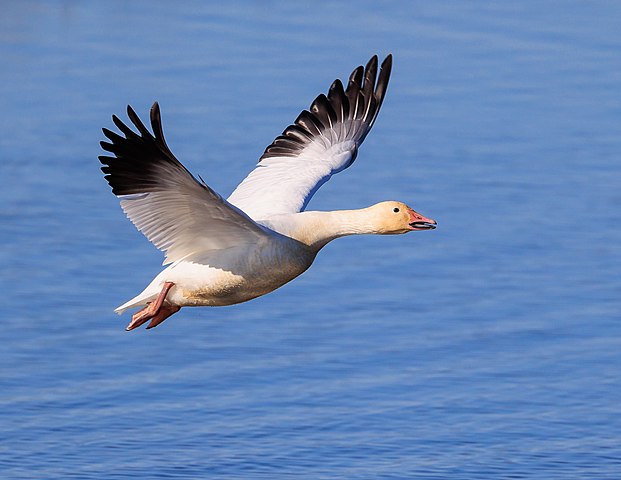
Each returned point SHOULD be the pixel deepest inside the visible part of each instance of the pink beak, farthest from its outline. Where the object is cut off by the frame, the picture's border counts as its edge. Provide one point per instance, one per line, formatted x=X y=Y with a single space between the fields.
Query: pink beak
x=419 y=222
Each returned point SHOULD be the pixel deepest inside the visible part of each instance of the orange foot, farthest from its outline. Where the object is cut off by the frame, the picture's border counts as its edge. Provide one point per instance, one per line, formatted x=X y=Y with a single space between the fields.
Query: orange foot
x=156 y=311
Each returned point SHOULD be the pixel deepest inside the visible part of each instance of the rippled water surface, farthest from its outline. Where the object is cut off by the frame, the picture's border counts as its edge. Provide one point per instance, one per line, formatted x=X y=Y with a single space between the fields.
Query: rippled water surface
x=489 y=348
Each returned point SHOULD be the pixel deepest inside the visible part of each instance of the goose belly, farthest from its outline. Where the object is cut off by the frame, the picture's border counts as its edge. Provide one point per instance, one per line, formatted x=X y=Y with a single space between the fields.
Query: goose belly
x=207 y=284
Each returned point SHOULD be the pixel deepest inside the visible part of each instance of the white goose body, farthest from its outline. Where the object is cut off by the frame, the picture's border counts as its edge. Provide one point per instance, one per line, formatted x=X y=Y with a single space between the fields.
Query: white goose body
x=236 y=275
x=223 y=252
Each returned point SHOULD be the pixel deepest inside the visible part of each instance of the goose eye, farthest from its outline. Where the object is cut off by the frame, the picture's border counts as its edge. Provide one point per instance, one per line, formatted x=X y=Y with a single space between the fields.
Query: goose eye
x=396 y=210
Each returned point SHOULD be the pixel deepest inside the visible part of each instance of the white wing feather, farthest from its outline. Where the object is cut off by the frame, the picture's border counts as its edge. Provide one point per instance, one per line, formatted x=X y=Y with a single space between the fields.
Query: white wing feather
x=278 y=186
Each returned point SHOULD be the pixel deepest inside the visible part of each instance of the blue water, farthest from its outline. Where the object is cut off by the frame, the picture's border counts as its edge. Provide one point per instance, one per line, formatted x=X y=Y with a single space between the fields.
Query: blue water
x=488 y=348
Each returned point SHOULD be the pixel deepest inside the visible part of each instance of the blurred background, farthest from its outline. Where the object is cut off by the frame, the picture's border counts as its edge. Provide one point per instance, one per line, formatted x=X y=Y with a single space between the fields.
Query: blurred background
x=488 y=348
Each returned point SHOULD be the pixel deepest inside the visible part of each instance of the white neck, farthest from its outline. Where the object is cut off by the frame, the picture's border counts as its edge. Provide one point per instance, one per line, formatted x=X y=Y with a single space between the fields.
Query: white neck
x=316 y=229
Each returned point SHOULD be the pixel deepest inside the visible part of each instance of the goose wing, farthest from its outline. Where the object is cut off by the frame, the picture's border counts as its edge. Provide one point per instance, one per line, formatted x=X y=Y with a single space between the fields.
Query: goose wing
x=322 y=141
x=177 y=213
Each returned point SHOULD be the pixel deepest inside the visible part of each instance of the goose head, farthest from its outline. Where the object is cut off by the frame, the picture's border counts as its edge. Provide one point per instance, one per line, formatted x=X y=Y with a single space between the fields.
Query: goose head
x=396 y=217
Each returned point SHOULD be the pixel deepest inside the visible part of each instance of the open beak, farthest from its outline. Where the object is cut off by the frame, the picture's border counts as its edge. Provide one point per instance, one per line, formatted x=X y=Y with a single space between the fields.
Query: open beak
x=419 y=222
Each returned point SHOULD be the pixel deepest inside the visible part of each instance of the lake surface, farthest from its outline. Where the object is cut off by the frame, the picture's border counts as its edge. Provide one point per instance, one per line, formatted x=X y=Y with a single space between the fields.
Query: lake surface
x=488 y=348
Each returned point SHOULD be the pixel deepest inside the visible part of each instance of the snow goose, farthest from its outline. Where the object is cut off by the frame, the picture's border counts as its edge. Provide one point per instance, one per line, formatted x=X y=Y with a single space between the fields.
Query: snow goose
x=222 y=252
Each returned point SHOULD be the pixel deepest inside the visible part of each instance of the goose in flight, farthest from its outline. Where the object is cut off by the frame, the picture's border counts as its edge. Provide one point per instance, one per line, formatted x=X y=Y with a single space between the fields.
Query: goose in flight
x=222 y=252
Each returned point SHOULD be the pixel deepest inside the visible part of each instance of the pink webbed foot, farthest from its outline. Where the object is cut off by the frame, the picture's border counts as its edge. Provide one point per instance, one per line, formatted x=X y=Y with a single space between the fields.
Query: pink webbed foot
x=155 y=311
x=165 y=312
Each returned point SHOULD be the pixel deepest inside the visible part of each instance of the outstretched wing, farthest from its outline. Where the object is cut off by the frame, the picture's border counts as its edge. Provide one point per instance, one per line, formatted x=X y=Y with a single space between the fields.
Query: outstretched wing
x=320 y=143
x=177 y=213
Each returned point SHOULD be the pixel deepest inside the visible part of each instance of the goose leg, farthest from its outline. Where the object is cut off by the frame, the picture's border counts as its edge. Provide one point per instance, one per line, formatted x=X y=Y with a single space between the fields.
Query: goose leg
x=151 y=310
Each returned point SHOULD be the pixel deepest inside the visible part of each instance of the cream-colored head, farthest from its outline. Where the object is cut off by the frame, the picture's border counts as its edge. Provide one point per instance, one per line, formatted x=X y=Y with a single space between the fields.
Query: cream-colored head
x=396 y=217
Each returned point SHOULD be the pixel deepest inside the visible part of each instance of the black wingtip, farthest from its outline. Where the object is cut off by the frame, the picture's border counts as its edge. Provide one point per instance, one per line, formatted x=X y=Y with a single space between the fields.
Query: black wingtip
x=382 y=80
x=359 y=101
x=372 y=63
x=156 y=122
x=138 y=157
x=155 y=113
x=130 y=111
x=387 y=64
x=356 y=76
